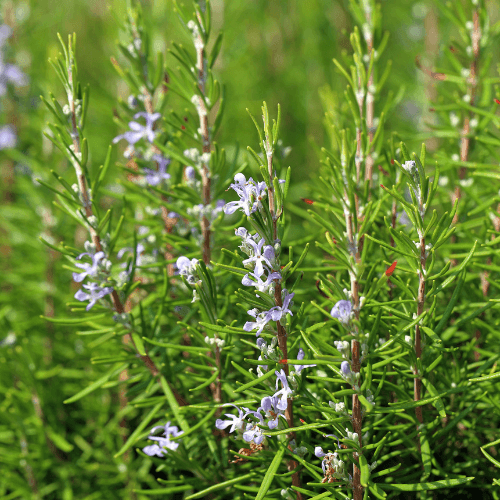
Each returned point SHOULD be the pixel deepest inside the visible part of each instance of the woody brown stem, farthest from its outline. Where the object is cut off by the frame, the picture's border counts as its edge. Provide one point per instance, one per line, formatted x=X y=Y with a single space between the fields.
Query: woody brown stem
x=353 y=248
x=82 y=184
x=282 y=337
x=206 y=182
x=168 y=222
x=417 y=383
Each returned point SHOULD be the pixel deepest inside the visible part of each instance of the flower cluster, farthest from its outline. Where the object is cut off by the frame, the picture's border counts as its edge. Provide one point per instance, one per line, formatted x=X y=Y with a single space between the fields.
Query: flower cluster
x=276 y=313
x=333 y=467
x=156 y=177
x=98 y=271
x=187 y=268
x=261 y=259
x=250 y=193
x=268 y=413
x=338 y=407
x=164 y=443
x=138 y=131
x=271 y=407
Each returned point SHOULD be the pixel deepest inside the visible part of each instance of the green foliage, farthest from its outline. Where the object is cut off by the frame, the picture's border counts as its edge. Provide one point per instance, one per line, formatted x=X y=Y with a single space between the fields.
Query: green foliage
x=399 y=389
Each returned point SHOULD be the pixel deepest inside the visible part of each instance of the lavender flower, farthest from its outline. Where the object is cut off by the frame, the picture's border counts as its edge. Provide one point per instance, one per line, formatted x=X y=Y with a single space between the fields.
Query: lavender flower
x=253 y=432
x=250 y=194
x=348 y=375
x=11 y=73
x=342 y=311
x=333 y=468
x=95 y=293
x=260 y=343
x=278 y=312
x=8 y=138
x=285 y=392
x=219 y=207
x=138 y=131
x=242 y=232
x=187 y=268
x=132 y=101
x=257 y=282
x=246 y=246
x=89 y=269
x=190 y=173
x=155 y=177
x=236 y=422
x=262 y=319
x=345 y=369
x=163 y=442
x=259 y=258
x=269 y=405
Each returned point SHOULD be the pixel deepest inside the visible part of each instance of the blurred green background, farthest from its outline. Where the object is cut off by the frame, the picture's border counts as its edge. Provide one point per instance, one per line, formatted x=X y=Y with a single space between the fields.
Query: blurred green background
x=278 y=51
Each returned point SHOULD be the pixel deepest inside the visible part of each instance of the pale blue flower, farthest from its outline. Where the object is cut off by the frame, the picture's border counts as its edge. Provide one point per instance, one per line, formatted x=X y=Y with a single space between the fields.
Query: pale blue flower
x=253 y=432
x=250 y=194
x=95 y=293
x=345 y=369
x=190 y=173
x=257 y=281
x=285 y=392
x=88 y=269
x=9 y=73
x=259 y=257
x=164 y=442
x=155 y=177
x=278 y=312
x=187 y=268
x=5 y=32
x=236 y=422
x=262 y=319
x=138 y=257
x=269 y=405
x=342 y=311
x=138 y=131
